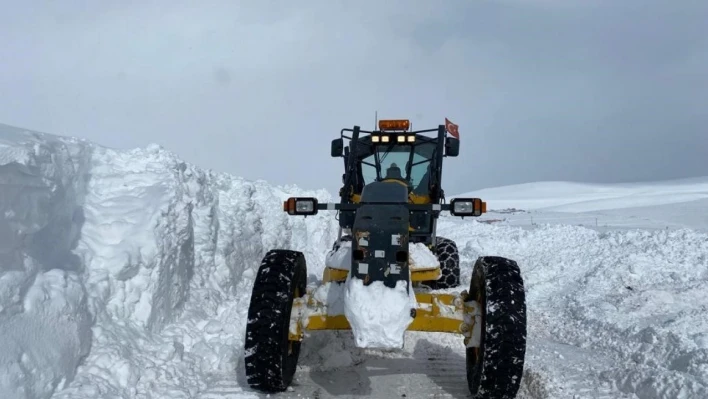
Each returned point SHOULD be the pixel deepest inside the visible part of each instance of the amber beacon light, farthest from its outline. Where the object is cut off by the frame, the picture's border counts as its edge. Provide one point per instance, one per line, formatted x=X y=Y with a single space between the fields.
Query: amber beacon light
x=394 y=124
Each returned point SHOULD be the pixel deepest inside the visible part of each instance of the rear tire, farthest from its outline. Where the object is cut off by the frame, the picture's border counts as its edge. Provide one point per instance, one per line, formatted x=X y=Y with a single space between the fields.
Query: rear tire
x=270 y=357
x=494 y=370
x=449 y=258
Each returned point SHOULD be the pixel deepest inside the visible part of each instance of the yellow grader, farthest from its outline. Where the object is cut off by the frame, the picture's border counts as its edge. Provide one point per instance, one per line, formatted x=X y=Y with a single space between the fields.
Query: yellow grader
x=388 y=271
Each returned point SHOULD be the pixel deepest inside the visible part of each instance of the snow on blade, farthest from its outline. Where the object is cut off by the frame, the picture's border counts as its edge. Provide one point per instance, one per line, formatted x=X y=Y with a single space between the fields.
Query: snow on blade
x=378 y=315
x=421 y=257
x=341 y=257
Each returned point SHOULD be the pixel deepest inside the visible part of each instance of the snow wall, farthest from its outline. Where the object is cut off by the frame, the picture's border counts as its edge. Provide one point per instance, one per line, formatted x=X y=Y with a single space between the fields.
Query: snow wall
x=100 y=247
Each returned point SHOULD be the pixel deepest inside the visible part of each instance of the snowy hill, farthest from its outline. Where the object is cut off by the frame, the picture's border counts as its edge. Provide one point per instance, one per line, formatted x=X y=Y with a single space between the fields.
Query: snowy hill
x=584 y=197
x=674 y=203
x=128 y=274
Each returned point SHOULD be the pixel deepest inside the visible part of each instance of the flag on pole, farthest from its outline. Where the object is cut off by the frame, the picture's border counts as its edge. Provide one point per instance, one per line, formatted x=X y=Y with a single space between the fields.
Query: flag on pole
x=452 y=128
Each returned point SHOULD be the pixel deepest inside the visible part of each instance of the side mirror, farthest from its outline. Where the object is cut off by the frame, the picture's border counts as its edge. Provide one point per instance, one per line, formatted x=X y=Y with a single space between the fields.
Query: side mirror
x=337 y=147
x=452 y=147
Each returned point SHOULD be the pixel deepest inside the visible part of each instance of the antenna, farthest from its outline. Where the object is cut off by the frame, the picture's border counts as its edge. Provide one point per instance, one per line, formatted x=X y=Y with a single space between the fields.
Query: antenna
x=376 y=119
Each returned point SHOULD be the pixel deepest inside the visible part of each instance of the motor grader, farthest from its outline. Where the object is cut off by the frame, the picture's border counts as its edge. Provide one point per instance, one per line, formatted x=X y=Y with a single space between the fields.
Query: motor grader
x=390 y=201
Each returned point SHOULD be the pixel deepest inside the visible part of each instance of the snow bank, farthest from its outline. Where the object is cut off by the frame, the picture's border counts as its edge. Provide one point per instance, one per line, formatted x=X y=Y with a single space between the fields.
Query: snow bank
x=143 y=259
x=45 y=323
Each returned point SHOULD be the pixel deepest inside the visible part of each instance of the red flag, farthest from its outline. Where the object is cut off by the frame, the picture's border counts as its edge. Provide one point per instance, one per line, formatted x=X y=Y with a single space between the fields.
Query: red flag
x=452 y=128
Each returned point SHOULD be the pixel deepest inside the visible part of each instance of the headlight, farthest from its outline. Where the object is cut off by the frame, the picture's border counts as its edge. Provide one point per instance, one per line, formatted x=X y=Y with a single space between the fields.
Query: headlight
x=467 y=207
x=463 y=207
x=304 y=206
x=300 y=206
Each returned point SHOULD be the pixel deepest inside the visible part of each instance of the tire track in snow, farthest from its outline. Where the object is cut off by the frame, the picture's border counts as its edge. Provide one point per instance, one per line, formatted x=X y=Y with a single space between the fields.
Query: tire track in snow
x=432 y=365
x=333 y=367
x=226 y=386
x=566 y=371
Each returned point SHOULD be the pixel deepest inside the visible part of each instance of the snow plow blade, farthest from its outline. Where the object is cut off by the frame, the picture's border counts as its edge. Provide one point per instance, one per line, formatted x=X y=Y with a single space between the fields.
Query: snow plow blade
x=333 y=274
x=447 y=313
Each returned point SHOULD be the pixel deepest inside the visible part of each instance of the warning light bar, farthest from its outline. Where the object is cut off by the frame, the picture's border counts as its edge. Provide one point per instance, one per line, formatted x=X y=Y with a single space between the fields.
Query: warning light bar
x=394 y=124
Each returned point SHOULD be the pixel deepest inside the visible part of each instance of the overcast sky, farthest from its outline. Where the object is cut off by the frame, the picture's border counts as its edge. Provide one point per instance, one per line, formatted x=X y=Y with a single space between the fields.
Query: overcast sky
x=583 y=90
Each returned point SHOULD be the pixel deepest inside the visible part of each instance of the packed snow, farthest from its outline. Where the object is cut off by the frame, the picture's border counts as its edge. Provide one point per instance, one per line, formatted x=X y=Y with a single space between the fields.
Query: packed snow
x=378 y=315
x=421 y=257
x=341 y=257
x=128 y=274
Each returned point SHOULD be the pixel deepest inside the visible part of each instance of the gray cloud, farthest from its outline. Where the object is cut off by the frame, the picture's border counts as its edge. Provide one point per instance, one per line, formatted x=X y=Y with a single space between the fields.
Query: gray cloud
x=542 y=89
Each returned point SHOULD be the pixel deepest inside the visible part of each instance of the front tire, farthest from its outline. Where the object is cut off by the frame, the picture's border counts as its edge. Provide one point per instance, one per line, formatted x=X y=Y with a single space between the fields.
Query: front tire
x=270 y=357
x=495 y=368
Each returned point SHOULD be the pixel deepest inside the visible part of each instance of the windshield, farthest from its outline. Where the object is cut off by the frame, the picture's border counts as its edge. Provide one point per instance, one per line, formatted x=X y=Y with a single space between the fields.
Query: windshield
x=395 y=162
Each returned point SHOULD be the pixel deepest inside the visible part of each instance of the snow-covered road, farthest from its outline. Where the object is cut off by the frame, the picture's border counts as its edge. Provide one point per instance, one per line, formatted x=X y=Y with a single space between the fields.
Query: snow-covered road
x=127 y=274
